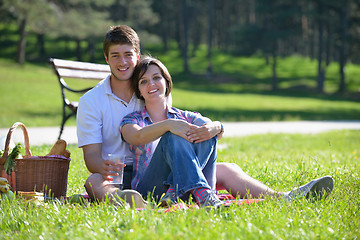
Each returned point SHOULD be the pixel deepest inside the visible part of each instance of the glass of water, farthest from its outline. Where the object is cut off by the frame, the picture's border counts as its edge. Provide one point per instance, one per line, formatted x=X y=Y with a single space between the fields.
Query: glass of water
x=117 y=159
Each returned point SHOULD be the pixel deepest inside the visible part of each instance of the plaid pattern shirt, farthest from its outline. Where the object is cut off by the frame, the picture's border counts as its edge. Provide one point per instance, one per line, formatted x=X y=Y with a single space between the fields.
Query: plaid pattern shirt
x=143 y=153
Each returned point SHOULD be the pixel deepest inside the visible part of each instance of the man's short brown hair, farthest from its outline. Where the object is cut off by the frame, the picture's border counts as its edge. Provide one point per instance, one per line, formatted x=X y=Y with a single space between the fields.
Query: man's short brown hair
x=121 y=34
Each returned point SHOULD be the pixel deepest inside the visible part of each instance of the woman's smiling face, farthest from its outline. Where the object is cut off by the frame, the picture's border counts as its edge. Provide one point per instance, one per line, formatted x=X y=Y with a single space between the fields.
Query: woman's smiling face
x=152 y=85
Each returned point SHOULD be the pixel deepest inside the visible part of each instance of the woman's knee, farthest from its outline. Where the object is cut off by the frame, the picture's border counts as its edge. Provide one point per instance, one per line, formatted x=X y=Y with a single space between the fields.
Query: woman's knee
x=174 y=141
x=169 y=136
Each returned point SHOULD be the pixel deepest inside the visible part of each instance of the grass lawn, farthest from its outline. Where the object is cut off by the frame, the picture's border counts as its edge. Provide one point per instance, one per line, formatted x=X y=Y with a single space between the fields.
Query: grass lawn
x=282 y=161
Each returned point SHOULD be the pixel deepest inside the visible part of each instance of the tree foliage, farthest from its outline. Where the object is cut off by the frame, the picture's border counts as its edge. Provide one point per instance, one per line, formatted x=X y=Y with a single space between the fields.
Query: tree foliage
x=325 y=30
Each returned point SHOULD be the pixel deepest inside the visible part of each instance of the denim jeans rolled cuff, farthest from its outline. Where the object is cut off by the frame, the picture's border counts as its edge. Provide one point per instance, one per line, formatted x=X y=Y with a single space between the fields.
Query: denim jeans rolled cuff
x=179 y=162
x=183 y=191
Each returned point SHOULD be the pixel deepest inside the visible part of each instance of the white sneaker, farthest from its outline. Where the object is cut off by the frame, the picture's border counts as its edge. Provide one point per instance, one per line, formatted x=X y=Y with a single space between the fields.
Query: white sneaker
x=168 y=199
x=317 y=188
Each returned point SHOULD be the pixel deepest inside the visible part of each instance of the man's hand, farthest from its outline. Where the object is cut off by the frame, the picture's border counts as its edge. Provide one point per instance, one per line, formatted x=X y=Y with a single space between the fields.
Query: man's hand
x=110 y=169
x=96 y=164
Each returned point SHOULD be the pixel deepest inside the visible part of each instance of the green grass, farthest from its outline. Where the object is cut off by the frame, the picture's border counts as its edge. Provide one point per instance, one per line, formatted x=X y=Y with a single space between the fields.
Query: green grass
x=263 y=107
x=31 y=94
x=281 y=161
x=239 y=91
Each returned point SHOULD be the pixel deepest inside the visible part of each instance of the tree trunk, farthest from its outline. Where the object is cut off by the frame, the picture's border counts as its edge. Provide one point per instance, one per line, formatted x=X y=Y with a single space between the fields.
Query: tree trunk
x=252 y=12
x=274 y=74
x=22 y=42
x=91 y=50
x=321 y=71
x=78 y=50
x=267 y=61
x=210 y=30
x=328 y=43
x=41 y=45
x=342 y=60
x=165 y=26
x=224 y=41
x=184 y=34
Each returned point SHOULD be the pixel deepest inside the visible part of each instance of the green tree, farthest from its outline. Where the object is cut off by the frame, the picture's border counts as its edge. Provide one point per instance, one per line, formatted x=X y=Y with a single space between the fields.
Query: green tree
x=30 y=15
x=138 y=14
x=165 y=27
x=83 y=21
x=279 y=24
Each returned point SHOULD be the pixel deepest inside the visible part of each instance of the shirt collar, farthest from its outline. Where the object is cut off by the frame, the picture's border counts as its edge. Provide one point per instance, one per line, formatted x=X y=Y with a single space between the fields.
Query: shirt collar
x=144 y=114
x=108 y=91
x=107 y=85
x=171 y=111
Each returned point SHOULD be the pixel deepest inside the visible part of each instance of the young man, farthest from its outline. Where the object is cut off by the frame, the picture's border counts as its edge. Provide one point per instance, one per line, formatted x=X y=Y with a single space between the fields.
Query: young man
x=101 y=110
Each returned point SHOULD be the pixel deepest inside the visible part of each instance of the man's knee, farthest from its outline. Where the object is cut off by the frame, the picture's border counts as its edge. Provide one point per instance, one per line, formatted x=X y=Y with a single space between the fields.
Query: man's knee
x=92 y=183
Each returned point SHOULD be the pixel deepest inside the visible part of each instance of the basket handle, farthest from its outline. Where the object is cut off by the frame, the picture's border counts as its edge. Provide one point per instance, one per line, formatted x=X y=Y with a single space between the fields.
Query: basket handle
x=8 y=138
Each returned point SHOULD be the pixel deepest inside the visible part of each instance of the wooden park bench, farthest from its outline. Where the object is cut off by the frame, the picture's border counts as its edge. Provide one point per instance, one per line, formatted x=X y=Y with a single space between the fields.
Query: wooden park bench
x=66 y=69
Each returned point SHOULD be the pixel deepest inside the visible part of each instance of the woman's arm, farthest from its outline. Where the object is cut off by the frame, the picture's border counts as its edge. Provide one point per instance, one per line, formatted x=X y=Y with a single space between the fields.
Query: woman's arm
x=136 y=135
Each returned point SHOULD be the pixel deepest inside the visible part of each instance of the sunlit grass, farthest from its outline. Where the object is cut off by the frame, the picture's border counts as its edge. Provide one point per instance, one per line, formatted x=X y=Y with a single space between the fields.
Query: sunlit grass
x=281 y=161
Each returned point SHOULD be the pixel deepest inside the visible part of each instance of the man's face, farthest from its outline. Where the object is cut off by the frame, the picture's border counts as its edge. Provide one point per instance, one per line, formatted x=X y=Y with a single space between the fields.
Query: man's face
x=122 y=60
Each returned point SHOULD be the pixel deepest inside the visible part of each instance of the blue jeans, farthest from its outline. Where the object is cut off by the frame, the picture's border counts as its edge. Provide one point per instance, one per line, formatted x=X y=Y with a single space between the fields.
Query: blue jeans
x=179 y=163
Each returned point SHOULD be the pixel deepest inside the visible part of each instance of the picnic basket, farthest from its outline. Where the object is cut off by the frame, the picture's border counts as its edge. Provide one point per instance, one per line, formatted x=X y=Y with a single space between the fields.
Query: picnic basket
x=47 y=174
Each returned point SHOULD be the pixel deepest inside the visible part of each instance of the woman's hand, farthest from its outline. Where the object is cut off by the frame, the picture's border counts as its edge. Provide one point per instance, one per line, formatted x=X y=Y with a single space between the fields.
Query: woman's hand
x=180 y=128
x=205 y=132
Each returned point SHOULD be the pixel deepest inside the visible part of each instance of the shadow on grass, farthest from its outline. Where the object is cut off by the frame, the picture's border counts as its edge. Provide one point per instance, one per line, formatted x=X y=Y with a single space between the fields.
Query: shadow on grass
x=233 y=115
x=246 y=84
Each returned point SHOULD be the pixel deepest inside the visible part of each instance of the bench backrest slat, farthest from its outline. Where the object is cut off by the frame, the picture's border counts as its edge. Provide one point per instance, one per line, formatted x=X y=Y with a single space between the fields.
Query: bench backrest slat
x=65 y=69
x=75 y=73
x=68 y=64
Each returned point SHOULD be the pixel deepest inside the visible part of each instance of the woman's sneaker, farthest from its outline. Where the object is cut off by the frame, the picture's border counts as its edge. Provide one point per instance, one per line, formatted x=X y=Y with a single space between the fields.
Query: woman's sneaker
x=210 y=200
x=168 y=199
x=317 y=189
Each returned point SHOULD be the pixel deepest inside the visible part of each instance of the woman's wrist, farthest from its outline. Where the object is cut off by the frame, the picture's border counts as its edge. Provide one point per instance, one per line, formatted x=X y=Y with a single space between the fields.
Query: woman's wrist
x=221 y=129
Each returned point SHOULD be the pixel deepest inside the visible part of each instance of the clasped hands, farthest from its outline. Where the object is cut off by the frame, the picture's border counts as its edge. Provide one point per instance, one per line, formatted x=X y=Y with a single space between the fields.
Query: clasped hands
x=194 y=133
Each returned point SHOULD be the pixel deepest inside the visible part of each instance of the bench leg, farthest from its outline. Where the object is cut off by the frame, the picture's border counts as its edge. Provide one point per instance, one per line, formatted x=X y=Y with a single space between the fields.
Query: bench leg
x=64 y=119
x=61 y=129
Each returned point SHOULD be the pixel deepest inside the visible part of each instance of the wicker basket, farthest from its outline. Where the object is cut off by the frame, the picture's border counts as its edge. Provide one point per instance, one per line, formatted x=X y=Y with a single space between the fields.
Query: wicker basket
x=41 y=174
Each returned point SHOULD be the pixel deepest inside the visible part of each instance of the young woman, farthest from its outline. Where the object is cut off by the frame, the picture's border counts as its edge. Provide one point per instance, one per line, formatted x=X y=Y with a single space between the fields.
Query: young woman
x=168 y=158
